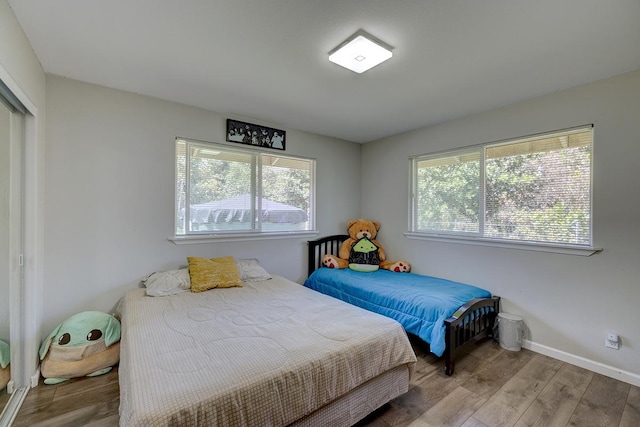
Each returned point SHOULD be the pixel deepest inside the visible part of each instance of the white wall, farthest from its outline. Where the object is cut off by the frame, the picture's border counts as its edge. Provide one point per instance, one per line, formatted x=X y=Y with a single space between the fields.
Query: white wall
x=568 y=302
x=21 y=71
x=110 y=194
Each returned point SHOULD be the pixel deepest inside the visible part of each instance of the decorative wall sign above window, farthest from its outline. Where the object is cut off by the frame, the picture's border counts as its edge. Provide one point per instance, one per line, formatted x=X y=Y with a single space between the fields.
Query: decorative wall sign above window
x=259 y=136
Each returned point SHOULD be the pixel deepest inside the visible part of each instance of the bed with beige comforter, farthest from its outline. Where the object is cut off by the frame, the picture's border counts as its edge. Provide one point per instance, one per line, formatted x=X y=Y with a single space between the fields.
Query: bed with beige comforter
x=270 y=353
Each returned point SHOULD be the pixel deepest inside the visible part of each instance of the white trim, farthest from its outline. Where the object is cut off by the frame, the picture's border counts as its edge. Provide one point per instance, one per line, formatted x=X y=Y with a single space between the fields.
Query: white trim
x=526 y=246
x=33 y=248
x=591 y=365
x=216 y=238
x=35 y=378
x=13 y=86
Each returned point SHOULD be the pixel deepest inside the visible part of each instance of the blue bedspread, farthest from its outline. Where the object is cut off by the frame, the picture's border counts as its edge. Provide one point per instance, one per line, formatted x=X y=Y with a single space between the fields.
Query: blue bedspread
x=419 y=303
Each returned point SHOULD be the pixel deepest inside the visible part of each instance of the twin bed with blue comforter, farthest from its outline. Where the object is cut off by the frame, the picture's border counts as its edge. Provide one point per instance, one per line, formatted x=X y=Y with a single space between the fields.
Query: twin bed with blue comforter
x=420 y=303
x=445 y=314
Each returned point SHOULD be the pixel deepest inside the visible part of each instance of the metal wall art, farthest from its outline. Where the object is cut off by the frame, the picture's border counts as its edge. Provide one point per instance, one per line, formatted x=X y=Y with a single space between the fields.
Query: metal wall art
x=259 y=136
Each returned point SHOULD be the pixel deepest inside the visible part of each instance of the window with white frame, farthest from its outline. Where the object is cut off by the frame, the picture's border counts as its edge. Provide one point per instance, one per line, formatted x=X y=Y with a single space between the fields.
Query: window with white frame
x=534 y=190
x=226 y=190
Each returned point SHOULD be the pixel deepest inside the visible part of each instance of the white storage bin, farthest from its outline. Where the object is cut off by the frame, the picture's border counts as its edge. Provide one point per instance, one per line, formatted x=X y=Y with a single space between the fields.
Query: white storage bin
x=510 y=331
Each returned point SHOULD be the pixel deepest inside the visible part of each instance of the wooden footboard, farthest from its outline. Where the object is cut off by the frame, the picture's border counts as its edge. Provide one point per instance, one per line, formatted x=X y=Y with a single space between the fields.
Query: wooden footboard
x=471 y=322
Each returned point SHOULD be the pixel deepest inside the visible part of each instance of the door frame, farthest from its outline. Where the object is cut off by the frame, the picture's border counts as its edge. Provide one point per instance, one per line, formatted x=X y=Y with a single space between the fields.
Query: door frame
x=24 y=316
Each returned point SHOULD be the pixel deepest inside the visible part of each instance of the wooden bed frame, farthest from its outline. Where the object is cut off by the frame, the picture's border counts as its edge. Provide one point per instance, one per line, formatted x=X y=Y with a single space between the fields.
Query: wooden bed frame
x=471 y=322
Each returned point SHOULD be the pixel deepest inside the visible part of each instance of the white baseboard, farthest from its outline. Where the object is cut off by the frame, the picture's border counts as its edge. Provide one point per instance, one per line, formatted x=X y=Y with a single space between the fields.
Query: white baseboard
x=11 y=387
x=35 y=378
x=591 y=365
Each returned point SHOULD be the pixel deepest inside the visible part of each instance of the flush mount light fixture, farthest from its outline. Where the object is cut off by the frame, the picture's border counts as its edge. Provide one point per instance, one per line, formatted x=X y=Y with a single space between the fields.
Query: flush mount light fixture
x=360 y=52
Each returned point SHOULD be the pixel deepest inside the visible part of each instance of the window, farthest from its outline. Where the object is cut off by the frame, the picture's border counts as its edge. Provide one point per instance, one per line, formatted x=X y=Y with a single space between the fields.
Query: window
x=535 y=190
x=239 y=191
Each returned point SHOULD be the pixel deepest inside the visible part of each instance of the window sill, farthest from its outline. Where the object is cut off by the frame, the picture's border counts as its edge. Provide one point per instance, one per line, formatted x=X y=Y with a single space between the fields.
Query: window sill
x=235 y=237
x=526 y=246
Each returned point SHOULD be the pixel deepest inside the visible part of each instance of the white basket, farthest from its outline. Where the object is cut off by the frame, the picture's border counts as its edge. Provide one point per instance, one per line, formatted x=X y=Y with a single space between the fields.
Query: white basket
x=510 y=331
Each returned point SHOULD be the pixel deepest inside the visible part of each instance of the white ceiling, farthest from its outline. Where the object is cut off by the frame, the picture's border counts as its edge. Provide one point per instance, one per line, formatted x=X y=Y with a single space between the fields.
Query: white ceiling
x=266 y=60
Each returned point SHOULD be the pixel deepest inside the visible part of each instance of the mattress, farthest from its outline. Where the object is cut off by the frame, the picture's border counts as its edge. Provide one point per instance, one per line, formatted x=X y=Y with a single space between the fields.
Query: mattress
x=268 y=353
x=420 y=303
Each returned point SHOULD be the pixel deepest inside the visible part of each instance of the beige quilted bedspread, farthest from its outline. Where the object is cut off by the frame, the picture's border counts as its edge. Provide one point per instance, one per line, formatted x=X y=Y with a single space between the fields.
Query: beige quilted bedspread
x=264 y=354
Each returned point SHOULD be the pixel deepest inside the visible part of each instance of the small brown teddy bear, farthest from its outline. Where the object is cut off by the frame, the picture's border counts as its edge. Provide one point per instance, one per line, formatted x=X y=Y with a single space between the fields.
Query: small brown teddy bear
x=361 y=252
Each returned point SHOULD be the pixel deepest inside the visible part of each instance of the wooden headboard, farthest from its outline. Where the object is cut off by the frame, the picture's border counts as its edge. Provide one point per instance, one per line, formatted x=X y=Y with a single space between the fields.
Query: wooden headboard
x=325 y=245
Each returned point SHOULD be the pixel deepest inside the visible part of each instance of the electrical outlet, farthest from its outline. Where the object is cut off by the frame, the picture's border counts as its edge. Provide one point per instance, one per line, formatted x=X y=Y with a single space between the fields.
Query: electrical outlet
x=612 y=341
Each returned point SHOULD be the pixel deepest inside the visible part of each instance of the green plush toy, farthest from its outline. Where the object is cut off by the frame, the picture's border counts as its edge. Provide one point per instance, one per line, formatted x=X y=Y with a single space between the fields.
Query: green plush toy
x=364 y=256
x=87 y=343
x=5 y=368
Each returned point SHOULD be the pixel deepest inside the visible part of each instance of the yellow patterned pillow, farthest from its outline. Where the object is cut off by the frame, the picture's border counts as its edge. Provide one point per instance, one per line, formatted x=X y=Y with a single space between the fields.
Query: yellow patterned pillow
x=212 y=273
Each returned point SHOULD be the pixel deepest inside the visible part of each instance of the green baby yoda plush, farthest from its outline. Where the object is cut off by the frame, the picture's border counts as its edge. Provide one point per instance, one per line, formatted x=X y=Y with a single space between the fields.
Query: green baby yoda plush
x=5 y=366
x=87 y=343
x=364 y=256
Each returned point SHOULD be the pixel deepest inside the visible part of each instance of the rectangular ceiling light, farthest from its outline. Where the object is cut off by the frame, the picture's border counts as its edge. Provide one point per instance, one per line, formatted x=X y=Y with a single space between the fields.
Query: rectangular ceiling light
x=360 y=52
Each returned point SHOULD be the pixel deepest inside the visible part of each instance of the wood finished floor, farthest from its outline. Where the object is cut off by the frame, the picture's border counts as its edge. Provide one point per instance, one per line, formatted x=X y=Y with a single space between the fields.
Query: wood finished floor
x=491 y=387
x=4 y=398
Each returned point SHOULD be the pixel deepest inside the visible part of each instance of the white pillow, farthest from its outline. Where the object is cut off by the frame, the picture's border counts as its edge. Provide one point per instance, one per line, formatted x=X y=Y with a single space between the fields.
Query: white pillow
x=171 y=282
x=250 y=270
x=163 y=283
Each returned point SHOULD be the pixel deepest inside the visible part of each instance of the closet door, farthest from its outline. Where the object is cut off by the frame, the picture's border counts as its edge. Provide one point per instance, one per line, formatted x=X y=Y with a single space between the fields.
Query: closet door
x=12 y=391
x=5 y=273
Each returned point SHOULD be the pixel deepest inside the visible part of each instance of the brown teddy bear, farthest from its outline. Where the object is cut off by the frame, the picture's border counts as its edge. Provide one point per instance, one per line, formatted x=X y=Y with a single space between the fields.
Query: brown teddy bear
x=361 y=252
